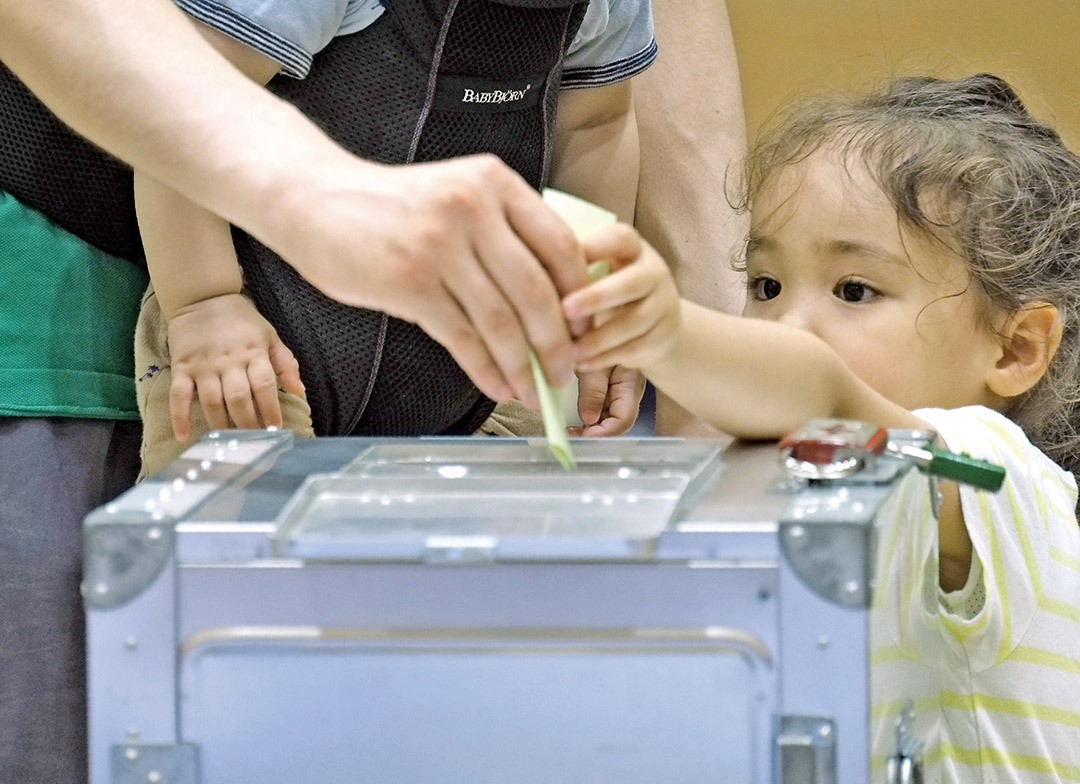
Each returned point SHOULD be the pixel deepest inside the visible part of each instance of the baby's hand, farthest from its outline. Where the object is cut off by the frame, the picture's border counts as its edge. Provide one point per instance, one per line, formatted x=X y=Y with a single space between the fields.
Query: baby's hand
x=635 y=308
x=608 y=401
x=229 y=357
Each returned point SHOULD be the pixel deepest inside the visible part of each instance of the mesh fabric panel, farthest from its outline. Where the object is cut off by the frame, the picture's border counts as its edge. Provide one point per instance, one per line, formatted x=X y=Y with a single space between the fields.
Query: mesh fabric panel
x=47 y=166
x=366 y=373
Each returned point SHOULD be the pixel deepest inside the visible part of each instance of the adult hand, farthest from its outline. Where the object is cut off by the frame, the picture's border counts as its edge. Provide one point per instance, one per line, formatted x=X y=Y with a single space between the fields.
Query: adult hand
x=463 y=248
x=228 y=356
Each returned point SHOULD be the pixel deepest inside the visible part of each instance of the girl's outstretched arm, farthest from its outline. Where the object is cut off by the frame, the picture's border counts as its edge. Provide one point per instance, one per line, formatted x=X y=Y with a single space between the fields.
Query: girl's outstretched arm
x=751 y=378
x=748 y=377
x=762 y=379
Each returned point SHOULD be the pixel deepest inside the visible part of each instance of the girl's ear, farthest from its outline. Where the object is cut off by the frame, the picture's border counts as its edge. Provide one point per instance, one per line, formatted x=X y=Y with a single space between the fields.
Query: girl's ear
x=1029 y=339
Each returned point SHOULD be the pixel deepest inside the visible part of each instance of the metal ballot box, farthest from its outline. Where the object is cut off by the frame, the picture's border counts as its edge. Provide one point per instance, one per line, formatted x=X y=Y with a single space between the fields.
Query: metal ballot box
x=464 y=610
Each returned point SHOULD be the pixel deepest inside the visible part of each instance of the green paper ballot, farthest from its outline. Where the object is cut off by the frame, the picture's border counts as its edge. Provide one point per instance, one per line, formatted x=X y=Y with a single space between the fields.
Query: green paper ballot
x=551 y=409
x=584 y=219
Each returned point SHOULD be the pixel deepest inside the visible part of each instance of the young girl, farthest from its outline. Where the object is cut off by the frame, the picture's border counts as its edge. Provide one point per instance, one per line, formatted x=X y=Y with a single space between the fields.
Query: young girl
x=913 y=261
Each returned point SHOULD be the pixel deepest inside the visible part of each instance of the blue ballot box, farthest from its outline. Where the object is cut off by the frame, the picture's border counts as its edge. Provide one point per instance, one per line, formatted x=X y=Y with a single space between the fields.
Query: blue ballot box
x=464 y=610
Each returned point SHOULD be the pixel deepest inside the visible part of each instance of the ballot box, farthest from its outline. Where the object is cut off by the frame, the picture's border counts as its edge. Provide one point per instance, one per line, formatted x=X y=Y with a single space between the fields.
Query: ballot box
x=271 y=609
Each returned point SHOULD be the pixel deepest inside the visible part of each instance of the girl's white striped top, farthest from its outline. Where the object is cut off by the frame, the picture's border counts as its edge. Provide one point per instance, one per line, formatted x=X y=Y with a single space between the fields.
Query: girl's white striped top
x=992 y=670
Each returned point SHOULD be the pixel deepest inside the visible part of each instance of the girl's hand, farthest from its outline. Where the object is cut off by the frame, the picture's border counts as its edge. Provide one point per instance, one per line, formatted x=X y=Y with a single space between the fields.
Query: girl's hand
x=226 y=355
x=635 y=309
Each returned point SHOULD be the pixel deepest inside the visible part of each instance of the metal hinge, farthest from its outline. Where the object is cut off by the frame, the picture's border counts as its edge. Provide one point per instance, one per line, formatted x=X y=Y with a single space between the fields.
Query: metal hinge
x=806 y=750
x=146 y=763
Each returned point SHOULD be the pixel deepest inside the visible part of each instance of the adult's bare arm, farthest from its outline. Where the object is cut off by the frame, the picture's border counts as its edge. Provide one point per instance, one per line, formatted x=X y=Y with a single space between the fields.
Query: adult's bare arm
x=691 y=125
x=135 y=77
x=596 y=158
x=464 y=248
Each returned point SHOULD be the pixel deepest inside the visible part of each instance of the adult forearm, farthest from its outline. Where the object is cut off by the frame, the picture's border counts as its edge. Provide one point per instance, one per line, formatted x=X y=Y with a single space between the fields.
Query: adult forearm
x=137 y=79
x=597 y=154
x=692 y=126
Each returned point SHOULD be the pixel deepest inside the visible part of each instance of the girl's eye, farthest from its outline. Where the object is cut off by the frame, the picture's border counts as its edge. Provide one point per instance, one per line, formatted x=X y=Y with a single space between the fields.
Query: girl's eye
x=854 y=291
x=765 y=288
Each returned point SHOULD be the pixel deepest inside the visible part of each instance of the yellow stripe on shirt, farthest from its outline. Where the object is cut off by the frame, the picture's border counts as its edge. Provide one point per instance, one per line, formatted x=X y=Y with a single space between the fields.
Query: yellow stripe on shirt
x=1007 y=438
x=990 y=703
x=999 y=576
x=1059 y=607
x=1022 y=534
x=1064 y=558
x=887 y=653
x=990 y=756
x=1044 y=658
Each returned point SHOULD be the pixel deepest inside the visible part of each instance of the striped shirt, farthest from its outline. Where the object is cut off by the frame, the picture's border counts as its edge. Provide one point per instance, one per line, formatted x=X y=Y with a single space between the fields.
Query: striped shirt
x=992 y=670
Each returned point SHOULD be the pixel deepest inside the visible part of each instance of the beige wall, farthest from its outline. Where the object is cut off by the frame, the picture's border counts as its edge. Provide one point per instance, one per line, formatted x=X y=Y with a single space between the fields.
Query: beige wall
x=788 y=47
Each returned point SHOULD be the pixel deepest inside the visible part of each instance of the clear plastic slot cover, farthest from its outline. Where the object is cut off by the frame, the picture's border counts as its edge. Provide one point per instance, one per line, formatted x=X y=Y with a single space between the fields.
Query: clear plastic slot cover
x=506 y=497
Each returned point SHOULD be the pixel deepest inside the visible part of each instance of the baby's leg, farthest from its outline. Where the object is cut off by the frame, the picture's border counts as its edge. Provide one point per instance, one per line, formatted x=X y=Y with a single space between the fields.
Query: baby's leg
x=512 y=418
x=153 y=378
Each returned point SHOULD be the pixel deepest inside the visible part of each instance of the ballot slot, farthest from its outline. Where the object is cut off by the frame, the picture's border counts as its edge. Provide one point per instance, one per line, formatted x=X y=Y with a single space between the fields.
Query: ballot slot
x=432 y=499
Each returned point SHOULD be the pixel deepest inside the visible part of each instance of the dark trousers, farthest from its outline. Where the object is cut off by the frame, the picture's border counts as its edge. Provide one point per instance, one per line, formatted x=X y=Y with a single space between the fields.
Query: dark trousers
x=52 y=473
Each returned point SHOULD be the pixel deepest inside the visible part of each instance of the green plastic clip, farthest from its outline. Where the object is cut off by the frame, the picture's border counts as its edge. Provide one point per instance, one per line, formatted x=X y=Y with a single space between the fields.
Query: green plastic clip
x=960 y=468
x=966 y=470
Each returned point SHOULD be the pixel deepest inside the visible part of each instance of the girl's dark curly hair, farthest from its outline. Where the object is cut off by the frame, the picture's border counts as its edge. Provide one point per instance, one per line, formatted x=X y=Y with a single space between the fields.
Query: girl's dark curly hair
x=963 y=160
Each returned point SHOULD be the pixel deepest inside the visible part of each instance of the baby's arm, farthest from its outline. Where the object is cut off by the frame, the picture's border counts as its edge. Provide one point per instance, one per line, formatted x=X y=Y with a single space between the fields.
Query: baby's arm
x=221 y=349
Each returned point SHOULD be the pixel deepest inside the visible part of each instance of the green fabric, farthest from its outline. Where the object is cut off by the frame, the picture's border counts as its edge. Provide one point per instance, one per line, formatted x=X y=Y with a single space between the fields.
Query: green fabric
x=67 y=322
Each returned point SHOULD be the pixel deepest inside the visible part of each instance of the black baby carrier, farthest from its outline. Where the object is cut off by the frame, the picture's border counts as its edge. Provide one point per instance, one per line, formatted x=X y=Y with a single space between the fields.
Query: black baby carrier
x=428 y=80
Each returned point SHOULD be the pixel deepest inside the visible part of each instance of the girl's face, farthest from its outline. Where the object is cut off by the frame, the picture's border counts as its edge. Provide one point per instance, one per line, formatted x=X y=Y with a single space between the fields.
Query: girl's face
x=827 y=254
